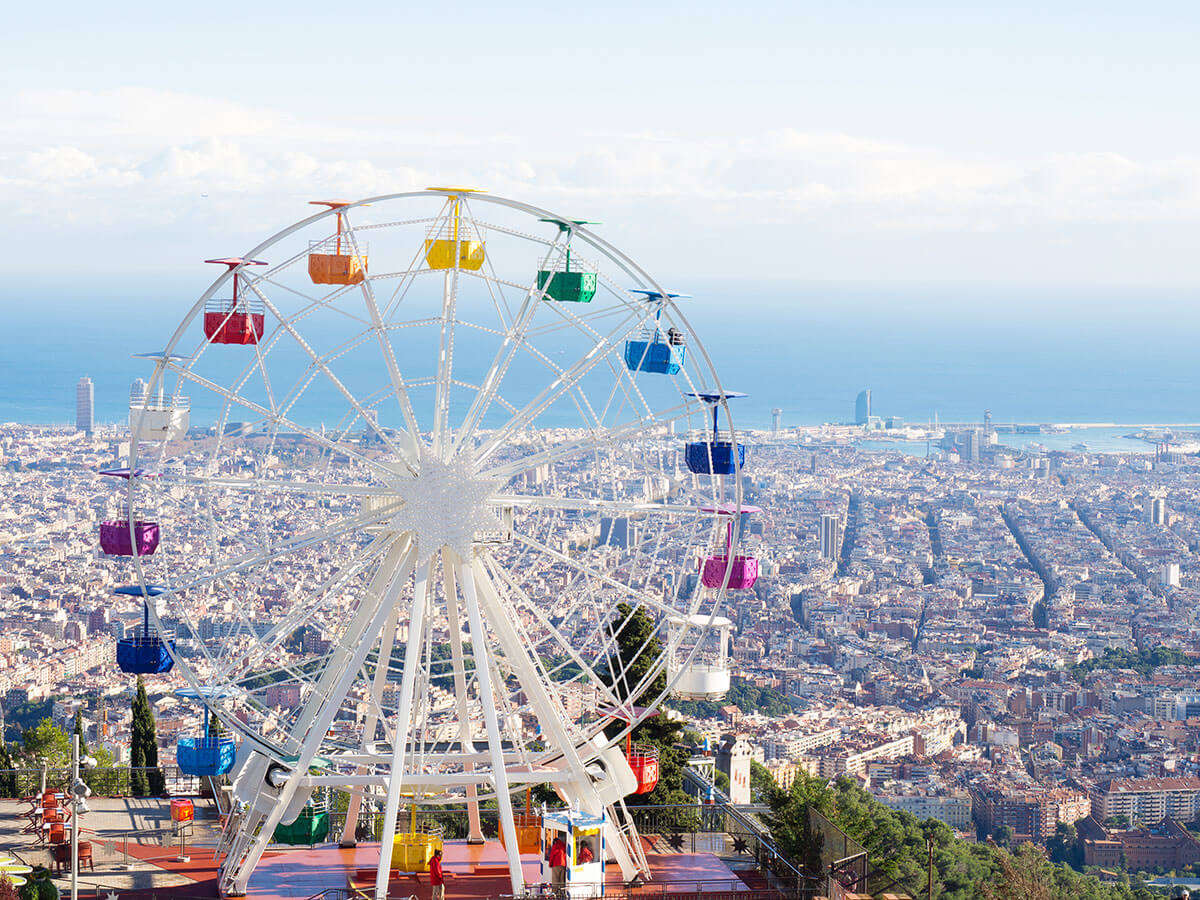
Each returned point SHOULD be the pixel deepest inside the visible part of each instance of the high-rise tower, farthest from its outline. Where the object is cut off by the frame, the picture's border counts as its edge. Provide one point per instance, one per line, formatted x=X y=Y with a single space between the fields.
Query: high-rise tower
x=831 y=536
x=1156 y=511
x=776 y=420
x=85 y=404
x=862 y=407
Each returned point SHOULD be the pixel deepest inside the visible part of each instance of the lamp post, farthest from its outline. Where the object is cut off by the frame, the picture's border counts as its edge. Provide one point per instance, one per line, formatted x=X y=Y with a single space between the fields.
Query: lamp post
x=79 y=794
x=74 y=817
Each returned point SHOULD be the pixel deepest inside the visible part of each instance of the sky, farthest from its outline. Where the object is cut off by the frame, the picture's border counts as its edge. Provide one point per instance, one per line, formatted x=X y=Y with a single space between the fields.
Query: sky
x=881 y=142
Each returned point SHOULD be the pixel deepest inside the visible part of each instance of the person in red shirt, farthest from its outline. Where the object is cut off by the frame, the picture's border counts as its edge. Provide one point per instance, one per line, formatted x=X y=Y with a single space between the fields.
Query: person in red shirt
x=558 y=866
x=436 y=877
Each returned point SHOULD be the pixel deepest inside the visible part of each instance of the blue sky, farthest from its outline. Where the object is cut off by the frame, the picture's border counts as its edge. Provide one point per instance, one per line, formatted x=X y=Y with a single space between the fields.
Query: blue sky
x=1013 y=143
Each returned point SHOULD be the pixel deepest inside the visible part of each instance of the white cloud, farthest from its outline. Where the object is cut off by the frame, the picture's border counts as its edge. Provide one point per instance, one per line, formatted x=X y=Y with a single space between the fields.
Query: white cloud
x=147 y=157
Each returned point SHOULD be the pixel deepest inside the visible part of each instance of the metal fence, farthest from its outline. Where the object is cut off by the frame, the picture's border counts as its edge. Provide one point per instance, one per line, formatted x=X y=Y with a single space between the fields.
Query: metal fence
x=115 y=781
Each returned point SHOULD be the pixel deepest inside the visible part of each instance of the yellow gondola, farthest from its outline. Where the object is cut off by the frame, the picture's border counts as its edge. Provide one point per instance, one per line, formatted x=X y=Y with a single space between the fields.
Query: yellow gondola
x=440 y=251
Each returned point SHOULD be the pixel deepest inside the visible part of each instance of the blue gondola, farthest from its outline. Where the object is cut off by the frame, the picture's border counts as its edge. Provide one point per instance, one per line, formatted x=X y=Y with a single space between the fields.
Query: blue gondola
x=146 y=653
x=715 y=456
x=658 y=351
x=207 y=755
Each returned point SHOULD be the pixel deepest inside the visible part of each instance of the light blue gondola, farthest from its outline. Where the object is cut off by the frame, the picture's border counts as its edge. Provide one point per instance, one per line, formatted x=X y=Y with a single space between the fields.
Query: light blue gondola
x=657 y=351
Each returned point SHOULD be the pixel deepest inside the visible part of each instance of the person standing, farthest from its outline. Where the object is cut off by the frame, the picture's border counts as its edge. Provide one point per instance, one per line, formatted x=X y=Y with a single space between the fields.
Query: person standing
x=436 y=877
x=558 y=866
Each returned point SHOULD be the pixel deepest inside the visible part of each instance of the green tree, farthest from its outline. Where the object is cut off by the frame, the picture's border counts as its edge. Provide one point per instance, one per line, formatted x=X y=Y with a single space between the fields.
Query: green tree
x=762 y=782
x=45 y=740
x=1063 y=848
x=8 y=773
x=1024 y=875
x=790 y=820
x=721 y=780
x=638 y=651
x=1003 y=836
x=147 y=778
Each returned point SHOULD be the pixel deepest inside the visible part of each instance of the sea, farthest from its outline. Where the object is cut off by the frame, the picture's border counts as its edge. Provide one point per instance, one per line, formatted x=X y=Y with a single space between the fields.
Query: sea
x=1125 y=356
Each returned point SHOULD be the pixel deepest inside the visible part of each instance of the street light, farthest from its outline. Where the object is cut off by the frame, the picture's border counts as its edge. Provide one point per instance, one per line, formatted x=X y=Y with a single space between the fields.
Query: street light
x=79 y=794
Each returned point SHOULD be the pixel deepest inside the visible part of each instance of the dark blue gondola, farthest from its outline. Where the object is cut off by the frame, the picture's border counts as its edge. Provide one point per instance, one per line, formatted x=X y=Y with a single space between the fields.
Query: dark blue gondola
x=659 y=352
x=208 y=755
x=146 y=653
x=715 y=456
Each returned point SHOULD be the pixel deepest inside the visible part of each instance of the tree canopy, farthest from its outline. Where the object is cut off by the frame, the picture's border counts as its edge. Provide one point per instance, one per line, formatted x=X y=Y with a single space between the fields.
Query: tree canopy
x=897 y=844
x=1142 y=661
x=45 y=740
x=749 y=698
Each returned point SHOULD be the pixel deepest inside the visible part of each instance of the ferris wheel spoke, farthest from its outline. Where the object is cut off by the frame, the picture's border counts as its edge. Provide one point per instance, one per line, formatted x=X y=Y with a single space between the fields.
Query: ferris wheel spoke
x=606 y=507
x=592 y=574
x=514 y=339
x=303 y=612
x=320 y=364
x=458 y=670
x=404 y=714
x=281 y=486
x=501 y=577
x=282 y=420
x=389 y=353
x=479 y=641
x=281 y=550
x=599 y=437
x=554 y=391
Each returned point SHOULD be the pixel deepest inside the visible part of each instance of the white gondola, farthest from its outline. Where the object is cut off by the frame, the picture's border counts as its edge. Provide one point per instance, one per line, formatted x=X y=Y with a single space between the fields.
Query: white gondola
x=706 y=675
x=158 y=418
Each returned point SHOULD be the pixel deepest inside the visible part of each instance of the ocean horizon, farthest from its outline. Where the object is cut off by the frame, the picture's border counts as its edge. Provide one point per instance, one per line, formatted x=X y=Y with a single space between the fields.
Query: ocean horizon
x=1111 y=355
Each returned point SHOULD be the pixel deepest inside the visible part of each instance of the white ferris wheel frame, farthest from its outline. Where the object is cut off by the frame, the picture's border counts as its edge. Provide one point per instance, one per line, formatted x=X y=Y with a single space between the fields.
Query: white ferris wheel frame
x=472 y=577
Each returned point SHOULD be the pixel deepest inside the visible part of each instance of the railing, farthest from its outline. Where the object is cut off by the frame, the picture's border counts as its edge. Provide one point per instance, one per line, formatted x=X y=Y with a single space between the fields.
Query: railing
x=445 y=232
x=106 y=782
x=559 y=264
x=339 y=246
x=254 y=306
x=159 y=402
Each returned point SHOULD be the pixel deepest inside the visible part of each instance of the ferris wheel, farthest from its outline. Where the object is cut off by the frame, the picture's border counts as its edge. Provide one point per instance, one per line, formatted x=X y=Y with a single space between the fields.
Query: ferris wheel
x=398 y=484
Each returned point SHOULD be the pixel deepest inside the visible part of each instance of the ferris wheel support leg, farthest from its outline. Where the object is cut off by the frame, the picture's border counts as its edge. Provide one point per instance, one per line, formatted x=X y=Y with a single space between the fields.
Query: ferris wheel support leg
x=581 y=787
x=350 y=829
x=408 y=681
x=358 y=640
x=474 y=828
x=483 y=672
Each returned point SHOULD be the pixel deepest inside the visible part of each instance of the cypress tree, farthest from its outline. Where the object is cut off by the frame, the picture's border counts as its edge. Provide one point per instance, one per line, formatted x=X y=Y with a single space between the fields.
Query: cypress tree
x=637 y=652
x=147 y=778
x=8 y=772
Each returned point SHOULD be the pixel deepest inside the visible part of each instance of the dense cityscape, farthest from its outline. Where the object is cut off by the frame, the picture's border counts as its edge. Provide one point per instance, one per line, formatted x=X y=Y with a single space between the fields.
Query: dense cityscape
x=999 y=639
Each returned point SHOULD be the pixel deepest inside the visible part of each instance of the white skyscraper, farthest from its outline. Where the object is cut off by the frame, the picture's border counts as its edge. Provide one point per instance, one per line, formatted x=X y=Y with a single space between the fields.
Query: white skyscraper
x=85 y=404
x=137 y=391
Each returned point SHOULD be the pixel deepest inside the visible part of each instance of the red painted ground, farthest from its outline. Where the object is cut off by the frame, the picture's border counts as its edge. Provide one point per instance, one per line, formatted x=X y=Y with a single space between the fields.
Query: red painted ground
x=474 y=872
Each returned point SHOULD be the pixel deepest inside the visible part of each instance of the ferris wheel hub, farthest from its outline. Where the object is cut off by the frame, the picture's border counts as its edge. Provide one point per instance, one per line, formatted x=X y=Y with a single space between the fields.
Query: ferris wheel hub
x=446 y=504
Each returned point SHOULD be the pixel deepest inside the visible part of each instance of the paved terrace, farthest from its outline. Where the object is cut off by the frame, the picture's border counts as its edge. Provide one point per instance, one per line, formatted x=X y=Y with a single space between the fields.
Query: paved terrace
x=134 y=848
